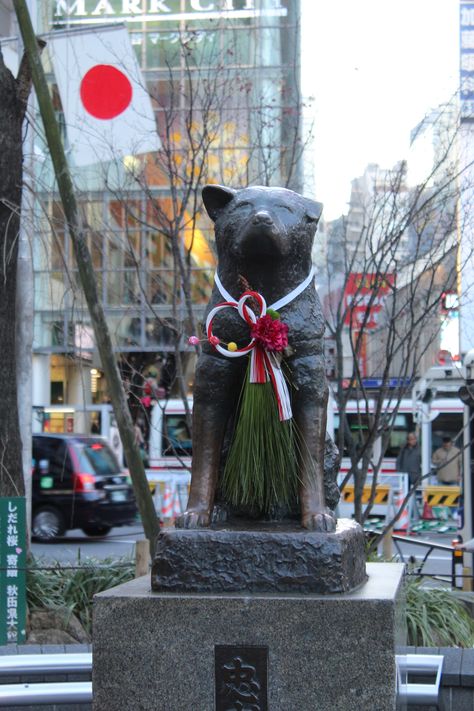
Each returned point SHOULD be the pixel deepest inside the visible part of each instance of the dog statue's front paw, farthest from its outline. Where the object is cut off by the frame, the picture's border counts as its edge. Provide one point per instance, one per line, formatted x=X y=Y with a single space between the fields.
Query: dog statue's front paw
x=193 y=519
x=323 y=521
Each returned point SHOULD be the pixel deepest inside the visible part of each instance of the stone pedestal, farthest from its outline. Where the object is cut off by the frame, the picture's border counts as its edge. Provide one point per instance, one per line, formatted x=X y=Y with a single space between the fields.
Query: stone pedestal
x=277 y=651
x=259 y=558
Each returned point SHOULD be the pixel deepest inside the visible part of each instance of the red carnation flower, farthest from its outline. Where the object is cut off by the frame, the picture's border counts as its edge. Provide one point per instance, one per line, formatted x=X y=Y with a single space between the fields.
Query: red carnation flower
x=270 y=334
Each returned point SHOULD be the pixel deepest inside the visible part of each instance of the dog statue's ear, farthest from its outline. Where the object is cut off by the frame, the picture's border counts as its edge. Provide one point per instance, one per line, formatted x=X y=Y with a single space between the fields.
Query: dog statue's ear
x=216 y=197
x=313 y=210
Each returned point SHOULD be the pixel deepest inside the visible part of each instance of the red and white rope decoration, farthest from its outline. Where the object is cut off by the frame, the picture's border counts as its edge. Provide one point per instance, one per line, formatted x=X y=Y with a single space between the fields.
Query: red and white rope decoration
x=264 y=364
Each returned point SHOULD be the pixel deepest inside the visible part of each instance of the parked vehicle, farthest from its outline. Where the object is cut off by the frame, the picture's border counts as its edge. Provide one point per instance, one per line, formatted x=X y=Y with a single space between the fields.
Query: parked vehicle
x=78 y=483
x=90 y=419
x=445 y=417
x=170 y=445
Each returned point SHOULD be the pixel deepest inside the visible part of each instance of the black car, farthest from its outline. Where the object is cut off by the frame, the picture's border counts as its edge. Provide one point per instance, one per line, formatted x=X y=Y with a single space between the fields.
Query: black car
x=78 y=483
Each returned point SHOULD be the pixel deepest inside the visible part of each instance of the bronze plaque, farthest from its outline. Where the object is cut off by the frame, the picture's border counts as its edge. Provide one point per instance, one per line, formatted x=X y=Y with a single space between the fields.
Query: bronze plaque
x=241 y=678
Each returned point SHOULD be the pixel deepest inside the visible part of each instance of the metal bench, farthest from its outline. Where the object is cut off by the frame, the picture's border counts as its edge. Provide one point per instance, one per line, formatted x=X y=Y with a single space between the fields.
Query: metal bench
x=63 y=692
x=410 y=666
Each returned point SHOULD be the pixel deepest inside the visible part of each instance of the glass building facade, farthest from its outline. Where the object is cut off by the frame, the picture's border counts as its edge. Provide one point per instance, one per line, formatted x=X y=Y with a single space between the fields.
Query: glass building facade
x=223 y=77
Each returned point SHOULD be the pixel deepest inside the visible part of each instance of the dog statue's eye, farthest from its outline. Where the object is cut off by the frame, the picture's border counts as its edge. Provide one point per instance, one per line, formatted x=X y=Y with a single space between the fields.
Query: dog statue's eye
x=285 y=207
x=240 y=205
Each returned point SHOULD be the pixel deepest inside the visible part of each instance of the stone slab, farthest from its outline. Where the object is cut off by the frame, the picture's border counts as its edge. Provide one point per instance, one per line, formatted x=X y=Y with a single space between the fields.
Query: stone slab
x=451 y=666
x=260 y=557
x=467 y=667
x=331 y=652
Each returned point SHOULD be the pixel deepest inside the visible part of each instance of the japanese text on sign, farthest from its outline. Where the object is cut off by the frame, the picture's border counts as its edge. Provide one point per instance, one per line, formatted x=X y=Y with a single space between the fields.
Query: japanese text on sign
x=12 y=570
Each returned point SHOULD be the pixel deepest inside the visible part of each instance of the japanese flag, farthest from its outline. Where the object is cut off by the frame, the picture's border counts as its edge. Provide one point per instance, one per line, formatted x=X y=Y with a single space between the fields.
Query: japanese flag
x=107 y=109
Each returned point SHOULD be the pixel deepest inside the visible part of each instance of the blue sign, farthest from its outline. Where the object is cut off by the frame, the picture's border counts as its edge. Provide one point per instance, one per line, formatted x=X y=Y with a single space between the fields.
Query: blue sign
x=391 y=382
x=467 y=60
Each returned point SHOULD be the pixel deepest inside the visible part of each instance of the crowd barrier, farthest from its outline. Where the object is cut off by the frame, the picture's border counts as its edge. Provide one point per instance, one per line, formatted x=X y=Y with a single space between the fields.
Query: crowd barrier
x=442 y=495
x=390 y=492
x=432 y=505
x=170 y=491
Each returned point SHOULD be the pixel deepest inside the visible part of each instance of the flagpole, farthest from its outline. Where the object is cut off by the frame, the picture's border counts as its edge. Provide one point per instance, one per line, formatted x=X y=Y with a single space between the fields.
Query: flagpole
x=87 y=277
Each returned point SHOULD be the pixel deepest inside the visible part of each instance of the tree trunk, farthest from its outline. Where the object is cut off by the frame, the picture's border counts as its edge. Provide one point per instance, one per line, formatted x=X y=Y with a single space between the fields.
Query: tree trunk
x=87 y=278
x=12 y=111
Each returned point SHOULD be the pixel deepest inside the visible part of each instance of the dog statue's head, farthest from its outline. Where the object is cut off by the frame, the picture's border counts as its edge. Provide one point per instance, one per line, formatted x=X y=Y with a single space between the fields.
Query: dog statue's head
x=259 y=223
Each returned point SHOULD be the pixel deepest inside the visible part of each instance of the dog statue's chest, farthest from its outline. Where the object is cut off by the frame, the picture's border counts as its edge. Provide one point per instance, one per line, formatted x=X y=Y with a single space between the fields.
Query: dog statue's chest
x=303 y=317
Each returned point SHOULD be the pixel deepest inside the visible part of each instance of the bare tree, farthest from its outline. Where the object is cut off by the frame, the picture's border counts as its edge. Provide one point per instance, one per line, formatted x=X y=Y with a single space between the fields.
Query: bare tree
x=216 y=123
x=389 y=263
x=14 y=93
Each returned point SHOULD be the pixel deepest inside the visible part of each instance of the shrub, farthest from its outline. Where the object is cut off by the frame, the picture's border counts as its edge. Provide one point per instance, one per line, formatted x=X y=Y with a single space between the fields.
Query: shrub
x=437 y=618
x=54 y=585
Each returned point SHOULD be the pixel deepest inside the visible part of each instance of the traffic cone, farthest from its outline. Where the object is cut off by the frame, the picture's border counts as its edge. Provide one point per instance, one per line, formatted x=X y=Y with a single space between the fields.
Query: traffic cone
x=167 y=503
x=403 y=523
x=177 y=510
x=157 y=498
x=427 y=514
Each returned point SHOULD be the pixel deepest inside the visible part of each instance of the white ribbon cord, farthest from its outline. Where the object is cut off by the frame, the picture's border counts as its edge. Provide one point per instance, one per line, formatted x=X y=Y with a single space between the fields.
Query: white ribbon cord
x=284 y=401
x=283 y=396
x=224 y=293
x=293 y=294
x=278 y=304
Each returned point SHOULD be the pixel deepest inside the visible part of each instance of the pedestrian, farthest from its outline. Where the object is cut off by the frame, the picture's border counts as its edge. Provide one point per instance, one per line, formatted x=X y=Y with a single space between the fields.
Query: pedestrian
x=140 y=440
x=137 y=431
x=409 y=459
x=447 y=462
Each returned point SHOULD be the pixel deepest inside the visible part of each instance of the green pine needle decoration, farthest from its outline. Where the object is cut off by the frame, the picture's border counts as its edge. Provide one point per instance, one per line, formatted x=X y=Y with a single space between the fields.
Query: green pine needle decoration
x=261 y=468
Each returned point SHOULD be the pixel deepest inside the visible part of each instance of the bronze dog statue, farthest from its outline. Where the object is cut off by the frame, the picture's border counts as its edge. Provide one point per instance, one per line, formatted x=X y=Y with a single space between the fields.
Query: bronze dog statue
x=266 y=236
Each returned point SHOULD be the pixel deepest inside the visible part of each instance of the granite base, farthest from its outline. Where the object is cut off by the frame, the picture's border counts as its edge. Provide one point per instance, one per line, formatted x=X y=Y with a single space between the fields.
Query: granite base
x=163 y=651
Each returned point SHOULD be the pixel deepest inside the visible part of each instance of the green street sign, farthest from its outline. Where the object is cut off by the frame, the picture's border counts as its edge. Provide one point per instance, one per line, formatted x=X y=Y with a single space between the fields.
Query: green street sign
x=12 y=570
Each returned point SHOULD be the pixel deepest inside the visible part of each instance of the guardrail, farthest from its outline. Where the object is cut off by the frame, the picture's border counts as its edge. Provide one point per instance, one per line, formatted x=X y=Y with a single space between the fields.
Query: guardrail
x=72 y=692
x=457 y=565
x=417 y=693
x=45 y=693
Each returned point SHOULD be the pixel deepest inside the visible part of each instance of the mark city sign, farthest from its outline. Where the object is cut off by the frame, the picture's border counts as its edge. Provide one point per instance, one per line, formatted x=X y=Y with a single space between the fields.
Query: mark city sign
x=83 y=12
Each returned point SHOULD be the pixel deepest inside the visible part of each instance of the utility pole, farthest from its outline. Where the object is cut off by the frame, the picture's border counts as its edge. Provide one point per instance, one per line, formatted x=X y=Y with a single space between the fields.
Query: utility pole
x=466 y=395
x=87 y=277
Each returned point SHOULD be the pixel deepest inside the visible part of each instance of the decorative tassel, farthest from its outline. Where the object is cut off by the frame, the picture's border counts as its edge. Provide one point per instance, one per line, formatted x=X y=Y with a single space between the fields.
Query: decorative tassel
x=261 y=467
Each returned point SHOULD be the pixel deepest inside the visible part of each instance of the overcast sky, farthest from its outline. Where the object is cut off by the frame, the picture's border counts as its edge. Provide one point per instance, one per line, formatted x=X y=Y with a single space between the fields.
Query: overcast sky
x=375 y=68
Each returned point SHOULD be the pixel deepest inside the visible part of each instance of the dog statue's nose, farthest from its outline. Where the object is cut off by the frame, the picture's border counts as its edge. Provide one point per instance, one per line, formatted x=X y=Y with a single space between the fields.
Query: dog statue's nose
x=262 y=217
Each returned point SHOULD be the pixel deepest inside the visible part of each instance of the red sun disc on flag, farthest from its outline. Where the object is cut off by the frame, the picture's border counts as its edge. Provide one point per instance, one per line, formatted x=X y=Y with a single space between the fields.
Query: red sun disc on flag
x=105 y=91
